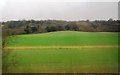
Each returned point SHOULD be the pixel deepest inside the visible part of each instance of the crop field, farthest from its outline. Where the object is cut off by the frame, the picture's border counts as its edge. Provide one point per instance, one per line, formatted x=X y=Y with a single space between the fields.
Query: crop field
x=62 y=52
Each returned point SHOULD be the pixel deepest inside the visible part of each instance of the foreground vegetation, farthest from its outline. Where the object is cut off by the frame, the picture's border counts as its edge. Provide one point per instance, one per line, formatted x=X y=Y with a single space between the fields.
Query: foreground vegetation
x=63 y=61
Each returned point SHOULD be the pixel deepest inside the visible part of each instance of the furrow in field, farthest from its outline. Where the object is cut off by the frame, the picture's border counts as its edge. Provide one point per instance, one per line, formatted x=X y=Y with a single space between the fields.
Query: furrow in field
x=49 y=47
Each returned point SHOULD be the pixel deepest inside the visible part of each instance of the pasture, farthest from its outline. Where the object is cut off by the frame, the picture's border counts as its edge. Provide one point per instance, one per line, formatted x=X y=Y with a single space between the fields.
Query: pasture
x=63 y=60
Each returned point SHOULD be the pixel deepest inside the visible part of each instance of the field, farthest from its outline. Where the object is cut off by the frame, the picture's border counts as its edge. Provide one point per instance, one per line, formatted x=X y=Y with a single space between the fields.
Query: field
x=63 y=52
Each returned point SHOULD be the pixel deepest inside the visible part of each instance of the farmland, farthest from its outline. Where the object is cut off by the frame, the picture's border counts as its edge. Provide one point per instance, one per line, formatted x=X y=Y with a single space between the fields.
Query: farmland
x=85 y=59
x=67 y=38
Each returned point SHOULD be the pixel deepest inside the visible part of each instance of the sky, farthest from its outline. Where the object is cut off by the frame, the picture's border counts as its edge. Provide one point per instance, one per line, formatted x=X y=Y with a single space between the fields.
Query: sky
x=58 y=9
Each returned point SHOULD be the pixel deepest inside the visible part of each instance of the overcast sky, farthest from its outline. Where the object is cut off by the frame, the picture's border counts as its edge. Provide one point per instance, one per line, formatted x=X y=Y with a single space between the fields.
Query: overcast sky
x=32 y=9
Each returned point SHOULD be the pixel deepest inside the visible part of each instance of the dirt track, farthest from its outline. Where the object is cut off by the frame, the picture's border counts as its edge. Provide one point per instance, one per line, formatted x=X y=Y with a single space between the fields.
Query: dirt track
x=60 y=47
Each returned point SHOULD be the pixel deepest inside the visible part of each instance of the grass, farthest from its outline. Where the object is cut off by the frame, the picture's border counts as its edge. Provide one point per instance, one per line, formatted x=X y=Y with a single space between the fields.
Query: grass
x=63 y=60
x=68 y=38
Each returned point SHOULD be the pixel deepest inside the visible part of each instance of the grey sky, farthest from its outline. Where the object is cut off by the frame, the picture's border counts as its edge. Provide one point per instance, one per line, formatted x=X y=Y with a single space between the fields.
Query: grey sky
x=59 y=10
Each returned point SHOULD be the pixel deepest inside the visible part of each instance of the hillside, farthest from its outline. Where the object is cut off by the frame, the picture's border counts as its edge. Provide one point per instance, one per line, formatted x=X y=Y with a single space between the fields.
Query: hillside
x=65 y=38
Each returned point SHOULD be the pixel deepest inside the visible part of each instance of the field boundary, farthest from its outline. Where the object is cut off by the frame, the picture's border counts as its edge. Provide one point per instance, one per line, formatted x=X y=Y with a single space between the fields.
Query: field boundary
x=58 y=47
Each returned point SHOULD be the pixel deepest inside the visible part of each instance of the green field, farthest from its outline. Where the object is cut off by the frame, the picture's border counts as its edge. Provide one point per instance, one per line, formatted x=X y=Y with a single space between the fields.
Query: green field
x=69 y=38
x=63 y=60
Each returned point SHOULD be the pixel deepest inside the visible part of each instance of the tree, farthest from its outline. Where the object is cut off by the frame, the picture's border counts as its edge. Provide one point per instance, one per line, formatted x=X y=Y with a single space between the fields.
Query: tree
x=72 y=26
x=110 y=20
x=34 y=29
x=28 y=29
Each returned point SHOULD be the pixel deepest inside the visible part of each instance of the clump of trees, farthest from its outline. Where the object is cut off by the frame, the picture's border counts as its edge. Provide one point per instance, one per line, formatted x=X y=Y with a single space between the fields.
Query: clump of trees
x=43 y=26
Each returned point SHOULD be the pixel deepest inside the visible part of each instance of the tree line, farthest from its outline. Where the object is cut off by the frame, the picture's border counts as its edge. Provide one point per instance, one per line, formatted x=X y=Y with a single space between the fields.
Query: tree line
x=43 y=26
